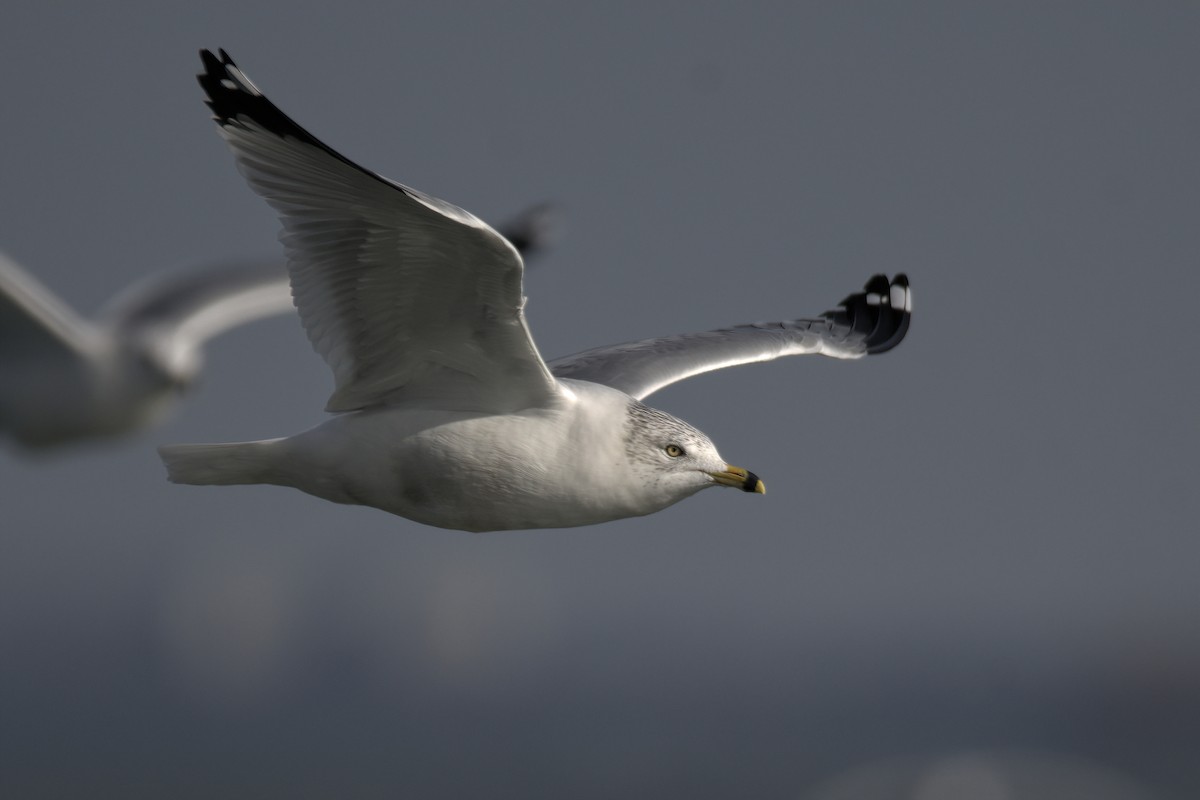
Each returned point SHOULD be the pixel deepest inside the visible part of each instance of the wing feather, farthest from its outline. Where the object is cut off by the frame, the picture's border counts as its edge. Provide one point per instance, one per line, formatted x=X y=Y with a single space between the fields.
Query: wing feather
x=34 y=323
x=871 y=321
x=409 y=299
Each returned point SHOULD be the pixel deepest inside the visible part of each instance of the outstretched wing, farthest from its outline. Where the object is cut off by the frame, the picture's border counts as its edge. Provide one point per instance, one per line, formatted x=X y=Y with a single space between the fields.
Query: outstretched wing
x=177 y=312
x=36 y=325
x=409 y=299
x=867 y=322
x=194 y=306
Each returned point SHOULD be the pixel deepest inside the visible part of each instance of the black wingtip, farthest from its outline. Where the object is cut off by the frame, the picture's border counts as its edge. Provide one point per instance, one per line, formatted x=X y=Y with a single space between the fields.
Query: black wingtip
x=881 y=312
x=234 y=98
x=231 y=96
x=228 y=92
x=534 y=230
x=235 y=101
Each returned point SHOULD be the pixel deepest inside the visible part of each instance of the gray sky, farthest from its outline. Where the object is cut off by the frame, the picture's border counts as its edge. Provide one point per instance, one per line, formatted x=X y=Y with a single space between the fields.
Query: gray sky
x=984 y=540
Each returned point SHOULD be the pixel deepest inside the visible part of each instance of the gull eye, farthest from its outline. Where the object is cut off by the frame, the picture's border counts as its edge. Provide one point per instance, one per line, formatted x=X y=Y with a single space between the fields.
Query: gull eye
x=674 y=450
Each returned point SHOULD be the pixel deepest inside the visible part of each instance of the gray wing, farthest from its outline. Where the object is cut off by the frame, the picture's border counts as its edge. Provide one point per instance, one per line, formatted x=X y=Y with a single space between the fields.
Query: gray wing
x=177 y=312
x=409 y=299
x=868 y=322
x=34 y=324
x=182 y=310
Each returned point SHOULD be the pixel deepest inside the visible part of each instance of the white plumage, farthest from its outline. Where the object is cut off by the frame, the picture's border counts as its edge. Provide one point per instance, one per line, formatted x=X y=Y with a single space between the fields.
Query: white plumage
x=448 y=414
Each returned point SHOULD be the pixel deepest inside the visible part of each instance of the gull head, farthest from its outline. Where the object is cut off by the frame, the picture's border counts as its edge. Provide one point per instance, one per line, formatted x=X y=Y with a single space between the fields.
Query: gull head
x=675 y=460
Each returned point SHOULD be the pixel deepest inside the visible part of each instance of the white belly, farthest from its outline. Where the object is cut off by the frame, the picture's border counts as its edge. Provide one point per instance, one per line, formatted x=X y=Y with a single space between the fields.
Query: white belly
x=535 y=469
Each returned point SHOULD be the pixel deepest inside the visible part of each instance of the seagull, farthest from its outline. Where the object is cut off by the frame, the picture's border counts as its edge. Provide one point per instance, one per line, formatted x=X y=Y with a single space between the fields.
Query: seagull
x=444 y=411
x=67 y=379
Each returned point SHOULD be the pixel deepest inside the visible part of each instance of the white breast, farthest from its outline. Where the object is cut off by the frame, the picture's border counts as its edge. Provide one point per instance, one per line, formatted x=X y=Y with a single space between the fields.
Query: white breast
x=541 y=468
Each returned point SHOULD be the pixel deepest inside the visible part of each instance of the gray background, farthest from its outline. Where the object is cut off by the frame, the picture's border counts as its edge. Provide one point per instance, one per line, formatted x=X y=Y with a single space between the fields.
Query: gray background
x=982 y=542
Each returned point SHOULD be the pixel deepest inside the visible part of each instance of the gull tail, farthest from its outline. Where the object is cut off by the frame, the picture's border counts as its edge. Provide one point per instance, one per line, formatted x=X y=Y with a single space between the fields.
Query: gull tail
x=220 y=464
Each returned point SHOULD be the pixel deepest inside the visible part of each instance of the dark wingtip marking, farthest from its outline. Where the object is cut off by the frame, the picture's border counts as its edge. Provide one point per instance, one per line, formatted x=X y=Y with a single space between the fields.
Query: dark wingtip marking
x=880 y=313
x=533 y=231
x=233 y=97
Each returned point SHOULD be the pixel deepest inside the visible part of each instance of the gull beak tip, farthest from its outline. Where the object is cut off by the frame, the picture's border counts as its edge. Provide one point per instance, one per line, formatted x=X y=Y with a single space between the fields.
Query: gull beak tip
x=739 y=478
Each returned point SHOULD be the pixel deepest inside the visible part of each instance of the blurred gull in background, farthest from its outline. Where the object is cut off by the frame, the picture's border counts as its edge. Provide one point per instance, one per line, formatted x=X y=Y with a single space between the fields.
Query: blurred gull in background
x=68 y=379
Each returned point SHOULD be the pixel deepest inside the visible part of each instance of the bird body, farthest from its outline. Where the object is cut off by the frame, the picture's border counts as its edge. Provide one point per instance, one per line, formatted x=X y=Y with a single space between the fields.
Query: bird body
x=437 y=466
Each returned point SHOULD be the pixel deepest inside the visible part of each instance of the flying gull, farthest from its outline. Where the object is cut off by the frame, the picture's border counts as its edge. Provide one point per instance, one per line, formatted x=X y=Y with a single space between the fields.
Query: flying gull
x=445 y=413
x=66 y=379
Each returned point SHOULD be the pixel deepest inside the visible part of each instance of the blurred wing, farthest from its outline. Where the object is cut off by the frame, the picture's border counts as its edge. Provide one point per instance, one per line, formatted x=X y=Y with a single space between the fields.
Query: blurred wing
x=36 y=324
x=181 y=311
x=409 y=299
x=868 y=322
x=532 y=231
